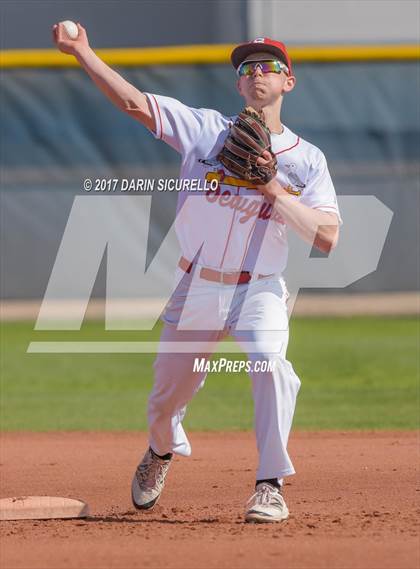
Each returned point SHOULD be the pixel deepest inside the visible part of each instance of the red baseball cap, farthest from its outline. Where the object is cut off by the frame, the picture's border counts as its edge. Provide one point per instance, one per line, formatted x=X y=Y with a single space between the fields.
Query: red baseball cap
x=268 y=45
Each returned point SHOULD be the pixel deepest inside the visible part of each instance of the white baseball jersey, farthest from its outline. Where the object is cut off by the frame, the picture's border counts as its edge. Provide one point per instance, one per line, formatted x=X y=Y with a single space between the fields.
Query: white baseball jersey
x=235 y=224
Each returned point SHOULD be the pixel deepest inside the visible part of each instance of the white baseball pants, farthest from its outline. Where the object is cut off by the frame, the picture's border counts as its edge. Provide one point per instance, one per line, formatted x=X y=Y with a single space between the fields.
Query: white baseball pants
x=255 y=315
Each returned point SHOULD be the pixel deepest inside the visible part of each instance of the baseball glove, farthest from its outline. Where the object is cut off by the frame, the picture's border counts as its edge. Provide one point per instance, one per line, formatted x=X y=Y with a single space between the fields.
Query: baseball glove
x=248 y=138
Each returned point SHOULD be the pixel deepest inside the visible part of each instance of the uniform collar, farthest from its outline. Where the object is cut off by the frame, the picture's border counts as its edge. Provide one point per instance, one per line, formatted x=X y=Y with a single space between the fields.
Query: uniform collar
x=281 y=142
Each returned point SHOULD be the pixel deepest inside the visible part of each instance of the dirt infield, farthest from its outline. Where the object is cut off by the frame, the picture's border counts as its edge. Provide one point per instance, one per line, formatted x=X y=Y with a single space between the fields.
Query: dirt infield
x=354 y=504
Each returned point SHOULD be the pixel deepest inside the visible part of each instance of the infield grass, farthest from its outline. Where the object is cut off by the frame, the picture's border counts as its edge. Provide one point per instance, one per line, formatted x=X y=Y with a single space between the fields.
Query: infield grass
x=357 y=373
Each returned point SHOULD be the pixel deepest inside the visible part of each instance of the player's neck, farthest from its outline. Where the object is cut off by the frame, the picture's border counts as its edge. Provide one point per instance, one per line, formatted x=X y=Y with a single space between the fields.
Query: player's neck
x=272 y=116
x=273 y=120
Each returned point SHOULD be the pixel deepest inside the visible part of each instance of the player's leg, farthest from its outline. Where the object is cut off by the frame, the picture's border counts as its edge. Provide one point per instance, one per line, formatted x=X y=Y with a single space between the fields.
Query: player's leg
x=262 y=331
x=175 y=383
x=192 y=307
x=176 y=380
x=274 y=391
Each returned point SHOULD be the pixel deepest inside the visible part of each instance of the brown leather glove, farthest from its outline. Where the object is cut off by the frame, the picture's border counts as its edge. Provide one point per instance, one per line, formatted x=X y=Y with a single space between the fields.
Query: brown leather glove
x=248 y=138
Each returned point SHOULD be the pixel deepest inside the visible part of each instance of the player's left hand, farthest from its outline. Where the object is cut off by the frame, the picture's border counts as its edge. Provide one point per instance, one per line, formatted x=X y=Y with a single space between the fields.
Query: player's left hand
x=272 y=189
x=264 y=159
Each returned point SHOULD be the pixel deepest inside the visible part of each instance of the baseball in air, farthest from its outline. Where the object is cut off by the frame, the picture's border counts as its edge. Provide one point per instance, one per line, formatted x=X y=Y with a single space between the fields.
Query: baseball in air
x=71 y=29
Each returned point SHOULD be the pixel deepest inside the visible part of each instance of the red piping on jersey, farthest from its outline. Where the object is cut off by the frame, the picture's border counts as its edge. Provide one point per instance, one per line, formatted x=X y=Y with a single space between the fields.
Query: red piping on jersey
x=247 y=241
x=160 y=118
x=230 y=231
x=290 y=147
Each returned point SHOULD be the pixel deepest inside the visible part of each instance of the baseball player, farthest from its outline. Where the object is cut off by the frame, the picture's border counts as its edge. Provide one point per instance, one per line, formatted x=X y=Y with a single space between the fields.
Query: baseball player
x=233 y=240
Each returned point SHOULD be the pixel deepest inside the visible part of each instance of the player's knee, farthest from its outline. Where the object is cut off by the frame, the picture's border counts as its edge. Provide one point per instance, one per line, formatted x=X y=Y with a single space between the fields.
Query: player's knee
x=162 y=361
x=274 y=366
x=262 y=359
x=291 y=374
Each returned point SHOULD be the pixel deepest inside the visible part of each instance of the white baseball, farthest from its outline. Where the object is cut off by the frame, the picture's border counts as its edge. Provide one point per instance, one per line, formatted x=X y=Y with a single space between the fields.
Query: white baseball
x=71 y=29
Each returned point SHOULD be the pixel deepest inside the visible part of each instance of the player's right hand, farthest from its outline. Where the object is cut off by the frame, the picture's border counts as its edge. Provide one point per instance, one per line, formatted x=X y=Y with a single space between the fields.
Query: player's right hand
x=67 y=45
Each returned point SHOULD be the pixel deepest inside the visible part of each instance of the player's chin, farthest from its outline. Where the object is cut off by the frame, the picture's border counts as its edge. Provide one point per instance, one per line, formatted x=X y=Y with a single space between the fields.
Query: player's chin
x=259 y=94
x=258 y=88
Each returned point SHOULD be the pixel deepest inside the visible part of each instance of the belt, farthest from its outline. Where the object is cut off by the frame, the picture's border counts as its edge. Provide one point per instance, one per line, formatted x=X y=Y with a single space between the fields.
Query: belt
x=230 y=278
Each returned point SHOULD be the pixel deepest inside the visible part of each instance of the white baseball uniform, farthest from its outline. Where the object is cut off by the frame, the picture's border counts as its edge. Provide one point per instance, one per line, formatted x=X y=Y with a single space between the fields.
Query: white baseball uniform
x=227 y=230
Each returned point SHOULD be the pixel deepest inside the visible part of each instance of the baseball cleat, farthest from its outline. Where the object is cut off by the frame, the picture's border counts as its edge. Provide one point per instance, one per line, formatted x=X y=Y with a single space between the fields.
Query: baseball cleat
x=149 y=480
x=266 y=505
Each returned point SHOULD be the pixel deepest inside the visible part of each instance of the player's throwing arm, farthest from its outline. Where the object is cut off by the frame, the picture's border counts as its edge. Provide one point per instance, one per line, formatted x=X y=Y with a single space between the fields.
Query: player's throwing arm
x=124 y=95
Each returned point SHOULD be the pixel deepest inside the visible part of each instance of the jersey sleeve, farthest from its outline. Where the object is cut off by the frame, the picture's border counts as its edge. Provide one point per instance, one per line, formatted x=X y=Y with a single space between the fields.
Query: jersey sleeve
x=177 y=124
x=319 y=192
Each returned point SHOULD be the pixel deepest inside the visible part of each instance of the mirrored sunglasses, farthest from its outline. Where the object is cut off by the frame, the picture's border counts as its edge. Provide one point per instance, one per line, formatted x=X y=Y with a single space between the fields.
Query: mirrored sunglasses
x=271 y=66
